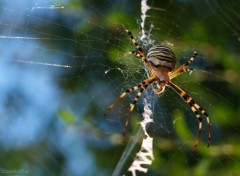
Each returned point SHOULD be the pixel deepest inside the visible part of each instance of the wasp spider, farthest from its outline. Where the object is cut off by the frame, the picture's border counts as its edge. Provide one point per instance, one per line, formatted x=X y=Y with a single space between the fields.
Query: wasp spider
x=160 y=62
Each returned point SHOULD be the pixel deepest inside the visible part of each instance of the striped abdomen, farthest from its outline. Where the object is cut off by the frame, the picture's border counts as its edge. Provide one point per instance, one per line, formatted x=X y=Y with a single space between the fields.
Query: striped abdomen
x=162 y=57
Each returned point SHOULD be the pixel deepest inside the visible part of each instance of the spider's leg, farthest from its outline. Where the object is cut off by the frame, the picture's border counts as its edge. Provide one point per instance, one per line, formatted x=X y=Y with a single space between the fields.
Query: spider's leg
x=194 y=107
x=135 y=53
x=142 y=84
x=138 y=47
x=194 y=110
x=142 y=55
x=208 y=120
x=132 y=105
x=183 y=68
x=121 y=96
x=190 y=70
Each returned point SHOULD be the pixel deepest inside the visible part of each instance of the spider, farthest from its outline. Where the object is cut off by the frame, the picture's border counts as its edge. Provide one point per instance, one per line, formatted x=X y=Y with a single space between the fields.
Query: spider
x=160 y=62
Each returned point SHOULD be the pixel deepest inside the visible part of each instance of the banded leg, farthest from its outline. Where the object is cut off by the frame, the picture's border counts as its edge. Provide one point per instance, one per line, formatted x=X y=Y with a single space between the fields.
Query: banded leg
x=194 y=107
x=194 y=110
x=183 y=68
x=173 y=75
x=188 y=70
x=141 y=53
x=145 y=82
x=135 y=53
x=138 y=47
x=132 y=105
x=208 y=121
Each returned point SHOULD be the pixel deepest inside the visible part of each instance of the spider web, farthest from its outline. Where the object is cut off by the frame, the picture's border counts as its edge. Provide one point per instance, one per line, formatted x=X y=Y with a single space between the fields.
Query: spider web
x=63 y=62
